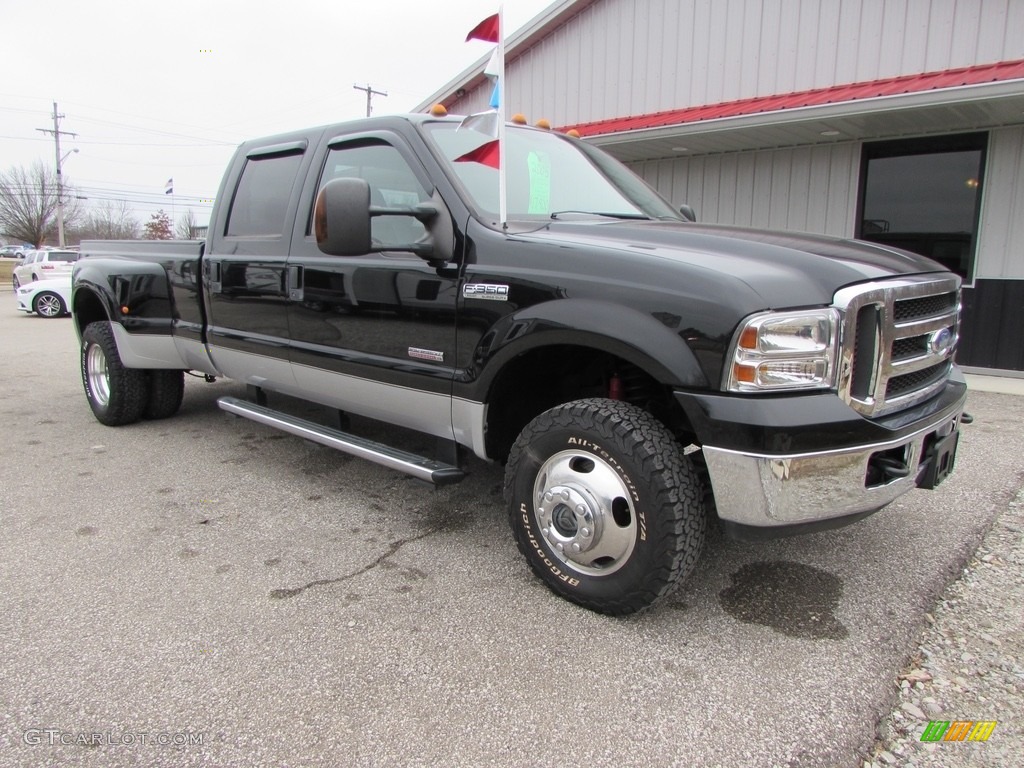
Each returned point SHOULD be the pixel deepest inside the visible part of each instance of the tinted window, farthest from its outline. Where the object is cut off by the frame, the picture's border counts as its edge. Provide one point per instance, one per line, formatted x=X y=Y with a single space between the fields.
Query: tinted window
x=261 y=199
x=922 y=195
x=392 y=185
x=66 y=256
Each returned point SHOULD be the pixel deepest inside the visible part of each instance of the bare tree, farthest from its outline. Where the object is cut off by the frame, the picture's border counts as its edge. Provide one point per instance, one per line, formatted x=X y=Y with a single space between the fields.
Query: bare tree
x=110 y=220
x=28 y=203
x=158 y=227
x=186 y=229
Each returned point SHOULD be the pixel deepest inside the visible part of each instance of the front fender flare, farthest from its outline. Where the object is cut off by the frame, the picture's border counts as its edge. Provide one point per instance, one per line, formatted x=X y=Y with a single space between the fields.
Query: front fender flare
x=625 y=332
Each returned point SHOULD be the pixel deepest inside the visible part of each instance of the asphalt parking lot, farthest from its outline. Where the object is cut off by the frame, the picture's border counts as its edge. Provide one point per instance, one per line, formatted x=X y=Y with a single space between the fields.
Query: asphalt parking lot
x=206 y=591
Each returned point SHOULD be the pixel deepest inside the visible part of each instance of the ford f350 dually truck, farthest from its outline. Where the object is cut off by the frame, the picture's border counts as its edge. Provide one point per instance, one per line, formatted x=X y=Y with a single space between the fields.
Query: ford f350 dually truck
x=637 y=372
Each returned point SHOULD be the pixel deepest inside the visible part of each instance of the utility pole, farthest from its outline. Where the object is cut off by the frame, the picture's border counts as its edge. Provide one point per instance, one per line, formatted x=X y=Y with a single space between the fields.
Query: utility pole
x=57 y=133
x=369 y=95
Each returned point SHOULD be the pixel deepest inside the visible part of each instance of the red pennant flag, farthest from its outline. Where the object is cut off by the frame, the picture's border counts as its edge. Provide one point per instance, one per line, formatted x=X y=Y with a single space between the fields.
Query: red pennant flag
x=486 y=30
x=485 y=154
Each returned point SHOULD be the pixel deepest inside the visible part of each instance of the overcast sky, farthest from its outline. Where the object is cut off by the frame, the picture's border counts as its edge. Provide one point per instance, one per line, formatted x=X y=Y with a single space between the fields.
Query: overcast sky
x=158 y=90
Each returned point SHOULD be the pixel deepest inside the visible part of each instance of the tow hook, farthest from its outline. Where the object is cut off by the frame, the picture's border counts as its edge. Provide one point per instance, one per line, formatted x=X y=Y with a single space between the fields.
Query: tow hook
x=883 y=468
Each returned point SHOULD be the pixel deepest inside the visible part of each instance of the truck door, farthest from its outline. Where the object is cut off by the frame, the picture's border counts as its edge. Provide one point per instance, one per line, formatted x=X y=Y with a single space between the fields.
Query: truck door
x=244 y=273
x=374 y=334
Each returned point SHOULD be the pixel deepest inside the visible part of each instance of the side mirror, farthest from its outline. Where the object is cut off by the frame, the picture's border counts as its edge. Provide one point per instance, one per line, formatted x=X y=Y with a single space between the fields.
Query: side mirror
x=341 y=217
x=688 y=213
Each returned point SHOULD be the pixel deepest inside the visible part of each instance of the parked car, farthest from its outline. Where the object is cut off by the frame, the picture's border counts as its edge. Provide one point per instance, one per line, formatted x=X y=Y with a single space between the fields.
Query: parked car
x=12 y=251
x=47 y=298
x=42 y=265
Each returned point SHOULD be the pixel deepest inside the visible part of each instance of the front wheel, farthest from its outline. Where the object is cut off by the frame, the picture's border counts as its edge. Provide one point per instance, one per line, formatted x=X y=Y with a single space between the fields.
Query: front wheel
x=604 y=505
x=47 y=304
x=117 y=395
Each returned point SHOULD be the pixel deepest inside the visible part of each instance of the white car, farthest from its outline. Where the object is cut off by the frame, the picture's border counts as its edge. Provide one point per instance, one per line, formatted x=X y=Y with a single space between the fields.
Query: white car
x=42 y=265
x=47 y=298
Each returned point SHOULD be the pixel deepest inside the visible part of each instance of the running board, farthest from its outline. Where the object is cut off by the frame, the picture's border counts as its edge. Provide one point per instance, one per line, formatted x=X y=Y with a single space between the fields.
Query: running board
x=419 y=467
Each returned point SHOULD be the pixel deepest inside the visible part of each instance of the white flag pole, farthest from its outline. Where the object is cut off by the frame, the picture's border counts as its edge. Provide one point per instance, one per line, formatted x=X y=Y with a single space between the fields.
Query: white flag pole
x=502 y=101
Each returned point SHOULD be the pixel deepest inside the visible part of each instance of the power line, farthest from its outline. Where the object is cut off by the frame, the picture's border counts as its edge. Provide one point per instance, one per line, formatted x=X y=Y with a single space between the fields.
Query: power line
x=370 y=93
x=57 y=133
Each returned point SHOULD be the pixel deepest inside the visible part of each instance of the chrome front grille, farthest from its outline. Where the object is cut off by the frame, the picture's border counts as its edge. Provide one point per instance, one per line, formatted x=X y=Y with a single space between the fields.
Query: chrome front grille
x=898 y=341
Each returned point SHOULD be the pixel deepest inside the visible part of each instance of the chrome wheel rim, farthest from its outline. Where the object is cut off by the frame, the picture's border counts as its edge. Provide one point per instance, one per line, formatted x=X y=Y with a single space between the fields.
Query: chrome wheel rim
x=585 y=512
x=96 y=372
x=48 y=306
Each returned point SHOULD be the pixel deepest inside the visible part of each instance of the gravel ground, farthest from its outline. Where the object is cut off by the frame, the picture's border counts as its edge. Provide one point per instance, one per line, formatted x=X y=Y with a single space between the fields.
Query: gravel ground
x=969 y=663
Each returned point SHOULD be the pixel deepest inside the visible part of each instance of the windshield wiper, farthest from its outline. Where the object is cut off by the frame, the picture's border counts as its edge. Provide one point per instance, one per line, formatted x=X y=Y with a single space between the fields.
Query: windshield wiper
x=557 y=214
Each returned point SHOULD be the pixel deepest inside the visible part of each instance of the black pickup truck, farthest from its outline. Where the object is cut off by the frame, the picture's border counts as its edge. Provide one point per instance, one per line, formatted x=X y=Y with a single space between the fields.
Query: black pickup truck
x=636 y=371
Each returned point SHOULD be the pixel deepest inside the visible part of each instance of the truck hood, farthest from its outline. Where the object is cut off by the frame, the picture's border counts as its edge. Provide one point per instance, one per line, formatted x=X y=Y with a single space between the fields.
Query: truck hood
x=785 y=269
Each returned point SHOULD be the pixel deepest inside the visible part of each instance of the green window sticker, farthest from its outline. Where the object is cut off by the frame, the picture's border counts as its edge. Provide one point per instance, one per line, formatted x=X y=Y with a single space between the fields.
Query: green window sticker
x=540 y=182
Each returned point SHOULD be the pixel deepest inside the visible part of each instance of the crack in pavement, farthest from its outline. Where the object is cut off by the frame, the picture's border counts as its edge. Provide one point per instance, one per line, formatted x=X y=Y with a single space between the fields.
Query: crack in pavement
x=282 y=594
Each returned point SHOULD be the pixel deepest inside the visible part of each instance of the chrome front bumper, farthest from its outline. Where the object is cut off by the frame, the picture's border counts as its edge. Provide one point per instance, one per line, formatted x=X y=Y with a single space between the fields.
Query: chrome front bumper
x=779 y=490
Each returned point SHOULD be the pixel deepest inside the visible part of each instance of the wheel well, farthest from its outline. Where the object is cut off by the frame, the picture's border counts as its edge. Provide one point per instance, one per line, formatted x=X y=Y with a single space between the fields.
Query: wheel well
x=543 y=378
x=88 y=309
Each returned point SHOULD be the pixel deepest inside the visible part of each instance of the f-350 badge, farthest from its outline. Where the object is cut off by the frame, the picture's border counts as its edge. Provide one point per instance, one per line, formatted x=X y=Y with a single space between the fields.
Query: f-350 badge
x=488 y=291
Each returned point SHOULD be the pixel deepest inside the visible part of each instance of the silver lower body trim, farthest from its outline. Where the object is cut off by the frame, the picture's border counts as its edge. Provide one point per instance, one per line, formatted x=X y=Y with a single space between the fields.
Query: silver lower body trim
x=777 y=490
x=432 y=413
x=147 y=350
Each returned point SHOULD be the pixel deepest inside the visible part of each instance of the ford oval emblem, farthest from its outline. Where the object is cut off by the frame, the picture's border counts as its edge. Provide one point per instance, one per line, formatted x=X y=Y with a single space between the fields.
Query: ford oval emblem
x=940 y=341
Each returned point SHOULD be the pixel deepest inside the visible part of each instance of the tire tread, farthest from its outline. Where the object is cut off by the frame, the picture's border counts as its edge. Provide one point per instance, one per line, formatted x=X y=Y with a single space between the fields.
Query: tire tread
x=128 y=386
x=676 y=521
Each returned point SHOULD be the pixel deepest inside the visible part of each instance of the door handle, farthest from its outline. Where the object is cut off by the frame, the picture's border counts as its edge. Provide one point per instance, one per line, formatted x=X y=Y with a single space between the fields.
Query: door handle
x=295 y=291
x=211 y=270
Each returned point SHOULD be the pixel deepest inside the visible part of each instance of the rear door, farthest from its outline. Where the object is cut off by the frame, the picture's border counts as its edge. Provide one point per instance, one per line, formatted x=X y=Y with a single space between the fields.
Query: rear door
x=244 y=273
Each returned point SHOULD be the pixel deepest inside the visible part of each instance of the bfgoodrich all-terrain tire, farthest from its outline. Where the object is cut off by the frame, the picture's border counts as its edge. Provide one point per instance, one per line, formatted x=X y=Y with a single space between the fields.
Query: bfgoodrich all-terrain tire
x=604 y=505
x=166 y=390
x=117 y=395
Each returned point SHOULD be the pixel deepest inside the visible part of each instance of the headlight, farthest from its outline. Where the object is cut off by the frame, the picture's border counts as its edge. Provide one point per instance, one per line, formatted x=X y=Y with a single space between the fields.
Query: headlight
x=775 y=351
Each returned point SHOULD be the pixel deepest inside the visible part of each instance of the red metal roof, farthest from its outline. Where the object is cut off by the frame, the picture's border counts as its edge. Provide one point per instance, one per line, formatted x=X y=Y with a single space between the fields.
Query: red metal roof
x=894 y=86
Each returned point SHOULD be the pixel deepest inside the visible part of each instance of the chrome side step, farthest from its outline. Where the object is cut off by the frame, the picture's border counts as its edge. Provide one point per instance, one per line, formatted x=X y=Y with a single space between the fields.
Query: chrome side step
x=419 y=467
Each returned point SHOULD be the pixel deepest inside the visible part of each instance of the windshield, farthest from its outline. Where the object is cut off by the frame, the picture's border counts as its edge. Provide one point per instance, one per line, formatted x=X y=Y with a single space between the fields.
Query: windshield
x=549 y=175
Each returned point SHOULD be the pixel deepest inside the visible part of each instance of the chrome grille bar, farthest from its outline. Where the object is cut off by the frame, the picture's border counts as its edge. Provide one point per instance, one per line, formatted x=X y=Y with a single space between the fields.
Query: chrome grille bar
x=904 y=357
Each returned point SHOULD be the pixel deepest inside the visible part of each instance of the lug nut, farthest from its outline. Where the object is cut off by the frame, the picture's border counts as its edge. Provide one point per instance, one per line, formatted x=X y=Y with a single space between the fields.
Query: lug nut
x=560 y=547
x=575 y=547
x=565 y=494
x=585 y=533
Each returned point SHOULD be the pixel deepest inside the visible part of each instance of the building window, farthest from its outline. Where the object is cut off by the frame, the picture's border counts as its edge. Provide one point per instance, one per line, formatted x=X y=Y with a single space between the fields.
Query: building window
x=923 y=195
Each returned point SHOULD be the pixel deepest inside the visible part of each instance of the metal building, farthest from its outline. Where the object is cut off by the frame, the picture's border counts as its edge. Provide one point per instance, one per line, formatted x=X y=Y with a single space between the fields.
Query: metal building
x=898 y=121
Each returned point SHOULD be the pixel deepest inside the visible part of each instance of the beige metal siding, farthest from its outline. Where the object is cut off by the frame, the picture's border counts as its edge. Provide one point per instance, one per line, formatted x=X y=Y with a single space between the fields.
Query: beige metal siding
x=1000 y=251
x=809 y=189
x=627 y=57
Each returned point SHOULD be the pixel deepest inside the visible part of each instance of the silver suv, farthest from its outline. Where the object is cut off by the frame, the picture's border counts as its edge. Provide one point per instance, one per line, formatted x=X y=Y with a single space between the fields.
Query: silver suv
x=40 y=265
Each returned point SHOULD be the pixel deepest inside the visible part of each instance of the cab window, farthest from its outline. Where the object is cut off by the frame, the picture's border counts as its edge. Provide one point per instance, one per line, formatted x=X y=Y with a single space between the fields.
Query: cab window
x=392 y=185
